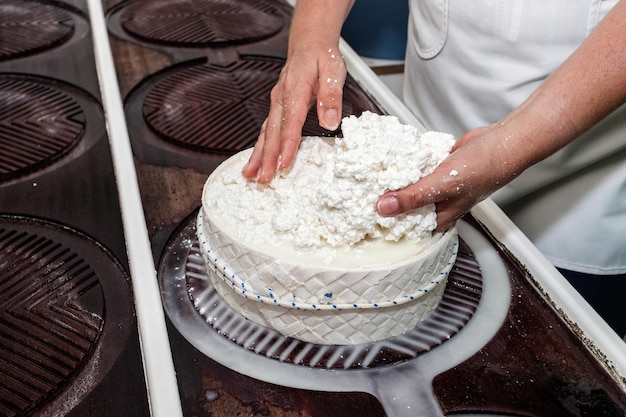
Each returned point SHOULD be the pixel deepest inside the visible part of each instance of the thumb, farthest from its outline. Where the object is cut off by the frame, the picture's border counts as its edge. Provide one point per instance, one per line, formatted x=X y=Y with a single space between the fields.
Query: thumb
x=393 y=203
x=449 y=207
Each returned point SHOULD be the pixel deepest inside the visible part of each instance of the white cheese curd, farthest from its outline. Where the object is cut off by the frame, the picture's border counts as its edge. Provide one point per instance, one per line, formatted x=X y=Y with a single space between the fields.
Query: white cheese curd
x=326 y=203
x=308 y=255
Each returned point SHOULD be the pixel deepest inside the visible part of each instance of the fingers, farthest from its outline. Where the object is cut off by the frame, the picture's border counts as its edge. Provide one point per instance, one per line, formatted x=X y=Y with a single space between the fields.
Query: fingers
x=254 y=163
x=299 y=85
x=280 y=133
x=475 y=168
x=452 y=201
x=450 y=187
x=447 y=215
x=294 y=100
x=393 y=203
x=330 y=90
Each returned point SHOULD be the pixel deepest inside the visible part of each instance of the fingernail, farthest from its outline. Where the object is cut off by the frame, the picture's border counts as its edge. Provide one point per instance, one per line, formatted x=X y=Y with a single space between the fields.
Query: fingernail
x=388 y=205
x=331 y=119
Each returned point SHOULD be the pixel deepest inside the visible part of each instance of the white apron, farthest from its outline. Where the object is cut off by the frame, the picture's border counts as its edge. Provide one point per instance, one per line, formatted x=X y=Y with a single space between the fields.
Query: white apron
x=471 y=62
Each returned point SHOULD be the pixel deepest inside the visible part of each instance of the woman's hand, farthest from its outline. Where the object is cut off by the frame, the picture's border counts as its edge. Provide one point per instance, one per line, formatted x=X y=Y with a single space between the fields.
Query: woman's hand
x=314 y=74
x=309 y=76
x=480 y=162
x=589 y=85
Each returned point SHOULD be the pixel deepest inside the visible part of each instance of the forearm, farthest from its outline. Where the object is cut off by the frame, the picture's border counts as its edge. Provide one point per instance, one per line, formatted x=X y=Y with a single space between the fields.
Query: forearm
x=589 y=85
x=317 y=22
x=576 y=96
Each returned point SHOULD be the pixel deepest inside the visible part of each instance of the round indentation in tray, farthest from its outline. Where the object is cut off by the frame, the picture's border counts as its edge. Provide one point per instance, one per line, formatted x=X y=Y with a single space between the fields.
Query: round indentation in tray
x=58 y=291
x=28 y=27
x=200 y=23
x=188 y=291
x=40 y=123
x=220 y=108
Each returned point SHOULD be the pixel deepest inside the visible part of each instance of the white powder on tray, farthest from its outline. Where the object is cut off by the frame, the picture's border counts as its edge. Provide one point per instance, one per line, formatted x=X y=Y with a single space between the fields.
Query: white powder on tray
x=328 y=197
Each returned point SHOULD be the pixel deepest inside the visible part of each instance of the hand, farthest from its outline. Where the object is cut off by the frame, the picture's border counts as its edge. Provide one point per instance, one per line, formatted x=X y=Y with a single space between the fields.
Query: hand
x=478 y=164
x=313 y=73
x=309 y=75
x=589 y=85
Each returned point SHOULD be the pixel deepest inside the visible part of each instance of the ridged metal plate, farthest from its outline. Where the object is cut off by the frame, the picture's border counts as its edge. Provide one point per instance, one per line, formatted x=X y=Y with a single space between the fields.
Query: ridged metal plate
x=29 y=27
x=40 y=123
x=65 y=314
x=200 y=23
x=219 y=108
